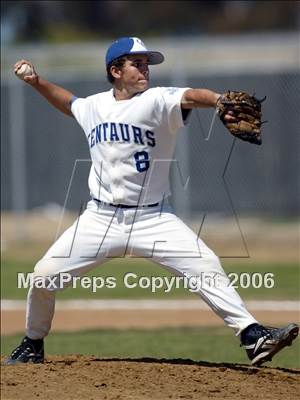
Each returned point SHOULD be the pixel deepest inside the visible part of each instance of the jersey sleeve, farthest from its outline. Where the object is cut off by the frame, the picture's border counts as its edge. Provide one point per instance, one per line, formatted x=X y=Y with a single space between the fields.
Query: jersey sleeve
x=79 y=108
x=171 y=105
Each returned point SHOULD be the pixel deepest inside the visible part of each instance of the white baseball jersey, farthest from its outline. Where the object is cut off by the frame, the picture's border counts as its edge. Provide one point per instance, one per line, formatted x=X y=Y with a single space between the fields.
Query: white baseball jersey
x=131 y=143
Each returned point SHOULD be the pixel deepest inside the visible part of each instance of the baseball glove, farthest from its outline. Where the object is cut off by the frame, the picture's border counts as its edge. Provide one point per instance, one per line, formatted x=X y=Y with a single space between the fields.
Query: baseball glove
x=247 y=112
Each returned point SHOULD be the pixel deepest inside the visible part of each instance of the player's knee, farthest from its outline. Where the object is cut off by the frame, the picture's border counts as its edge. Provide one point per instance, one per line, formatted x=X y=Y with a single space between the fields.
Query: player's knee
x=210 y=258
x=208 y=263
x=44 y=268
x=213 y=261
x=46 y=275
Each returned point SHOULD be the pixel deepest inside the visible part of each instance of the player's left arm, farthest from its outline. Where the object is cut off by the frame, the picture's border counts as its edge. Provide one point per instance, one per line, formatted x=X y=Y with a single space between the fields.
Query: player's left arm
x=201 y=98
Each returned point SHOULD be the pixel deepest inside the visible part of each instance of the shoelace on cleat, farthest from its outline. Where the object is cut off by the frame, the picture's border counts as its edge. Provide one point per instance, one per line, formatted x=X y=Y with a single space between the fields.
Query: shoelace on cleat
x=270 y=332
x=266 y=331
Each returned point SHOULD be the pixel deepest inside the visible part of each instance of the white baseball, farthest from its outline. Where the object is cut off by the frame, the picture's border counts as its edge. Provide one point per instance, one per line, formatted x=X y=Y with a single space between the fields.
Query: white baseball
x=24 y=70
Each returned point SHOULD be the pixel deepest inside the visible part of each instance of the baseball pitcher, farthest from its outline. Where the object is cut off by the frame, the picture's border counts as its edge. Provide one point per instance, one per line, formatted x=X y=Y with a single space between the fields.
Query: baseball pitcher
x=131 y=134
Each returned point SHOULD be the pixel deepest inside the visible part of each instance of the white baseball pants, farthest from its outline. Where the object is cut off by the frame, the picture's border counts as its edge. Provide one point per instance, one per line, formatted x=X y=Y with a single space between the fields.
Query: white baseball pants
x=102 y=232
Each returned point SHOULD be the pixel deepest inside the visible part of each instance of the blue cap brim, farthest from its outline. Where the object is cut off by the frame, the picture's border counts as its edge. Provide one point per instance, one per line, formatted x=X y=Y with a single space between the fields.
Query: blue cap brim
x=154 y=57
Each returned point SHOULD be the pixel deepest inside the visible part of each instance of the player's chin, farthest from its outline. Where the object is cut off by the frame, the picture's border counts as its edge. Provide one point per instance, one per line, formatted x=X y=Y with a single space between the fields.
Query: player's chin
x=143 y=84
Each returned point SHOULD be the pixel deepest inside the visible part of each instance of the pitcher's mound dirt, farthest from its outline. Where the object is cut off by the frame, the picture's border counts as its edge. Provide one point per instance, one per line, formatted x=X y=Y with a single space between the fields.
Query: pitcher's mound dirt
x=86 y=377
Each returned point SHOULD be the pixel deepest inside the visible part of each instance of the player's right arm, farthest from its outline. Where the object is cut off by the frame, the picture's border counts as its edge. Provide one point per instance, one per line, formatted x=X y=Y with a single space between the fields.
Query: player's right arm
x=59 y=97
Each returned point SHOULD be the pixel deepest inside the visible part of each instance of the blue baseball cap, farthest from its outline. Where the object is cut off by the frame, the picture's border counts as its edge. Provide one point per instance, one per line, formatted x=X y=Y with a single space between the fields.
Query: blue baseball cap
x=131 y=45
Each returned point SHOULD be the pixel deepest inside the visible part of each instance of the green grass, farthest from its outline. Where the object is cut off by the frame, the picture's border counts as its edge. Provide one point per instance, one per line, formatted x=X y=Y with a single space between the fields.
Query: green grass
x=286 y=279
x=217 y=344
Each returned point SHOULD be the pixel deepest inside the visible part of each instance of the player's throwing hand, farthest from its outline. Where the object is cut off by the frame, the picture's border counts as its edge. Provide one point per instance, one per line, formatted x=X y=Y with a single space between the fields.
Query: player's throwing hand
x=25 y=70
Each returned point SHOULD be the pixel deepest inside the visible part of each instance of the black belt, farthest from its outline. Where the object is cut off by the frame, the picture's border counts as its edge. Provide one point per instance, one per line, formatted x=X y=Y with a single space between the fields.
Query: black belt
x=124 y=205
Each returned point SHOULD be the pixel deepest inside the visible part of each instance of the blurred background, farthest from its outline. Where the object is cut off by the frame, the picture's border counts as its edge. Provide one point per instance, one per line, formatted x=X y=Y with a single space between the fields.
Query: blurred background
x=242 y=45
x=221 y=45
x=244 y=199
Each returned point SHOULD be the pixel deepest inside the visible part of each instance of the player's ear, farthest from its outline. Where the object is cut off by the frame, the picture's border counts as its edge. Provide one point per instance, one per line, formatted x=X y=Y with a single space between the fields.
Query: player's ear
x=115 y=71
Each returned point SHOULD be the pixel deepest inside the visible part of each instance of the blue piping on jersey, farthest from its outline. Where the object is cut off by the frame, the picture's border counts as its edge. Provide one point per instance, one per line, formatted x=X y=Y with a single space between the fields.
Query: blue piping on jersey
x=73 y=99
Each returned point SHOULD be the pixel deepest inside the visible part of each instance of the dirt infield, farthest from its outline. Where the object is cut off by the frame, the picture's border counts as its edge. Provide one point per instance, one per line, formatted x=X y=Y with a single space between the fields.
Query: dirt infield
x=85 y=377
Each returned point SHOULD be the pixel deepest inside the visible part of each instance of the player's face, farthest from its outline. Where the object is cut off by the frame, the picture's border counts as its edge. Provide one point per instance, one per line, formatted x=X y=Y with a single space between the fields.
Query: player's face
x=135 y=73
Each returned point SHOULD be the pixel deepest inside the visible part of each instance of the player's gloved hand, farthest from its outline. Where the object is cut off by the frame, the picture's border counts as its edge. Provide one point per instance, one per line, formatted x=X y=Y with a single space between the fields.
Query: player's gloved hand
x=30 y=79
x=246 y=109
x=229 y=117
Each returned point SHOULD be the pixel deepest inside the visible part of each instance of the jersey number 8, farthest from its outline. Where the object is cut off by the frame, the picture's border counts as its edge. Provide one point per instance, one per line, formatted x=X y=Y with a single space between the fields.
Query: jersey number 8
x=142 y=162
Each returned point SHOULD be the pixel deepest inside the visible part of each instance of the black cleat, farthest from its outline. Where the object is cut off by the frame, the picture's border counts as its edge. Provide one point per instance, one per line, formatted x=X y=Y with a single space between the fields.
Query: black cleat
x=262 y=343
x=30 y=350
